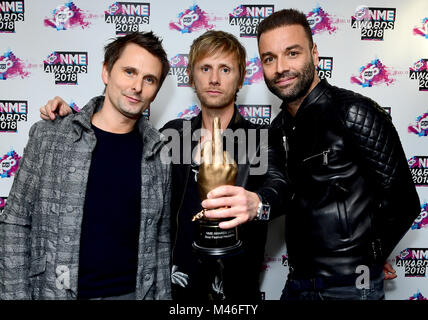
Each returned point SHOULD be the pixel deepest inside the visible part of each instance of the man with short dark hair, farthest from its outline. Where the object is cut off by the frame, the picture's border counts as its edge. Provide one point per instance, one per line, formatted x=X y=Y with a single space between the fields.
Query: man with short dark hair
x=77 y=226
x=354 y=198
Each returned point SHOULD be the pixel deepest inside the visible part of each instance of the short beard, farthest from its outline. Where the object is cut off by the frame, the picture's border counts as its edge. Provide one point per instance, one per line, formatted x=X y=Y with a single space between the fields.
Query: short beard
x=300 y=89
x=222 y=103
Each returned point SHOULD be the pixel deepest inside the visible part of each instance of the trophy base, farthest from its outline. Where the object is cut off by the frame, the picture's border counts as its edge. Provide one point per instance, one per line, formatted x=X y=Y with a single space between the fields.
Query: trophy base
x=211 y=240
x=217 y=251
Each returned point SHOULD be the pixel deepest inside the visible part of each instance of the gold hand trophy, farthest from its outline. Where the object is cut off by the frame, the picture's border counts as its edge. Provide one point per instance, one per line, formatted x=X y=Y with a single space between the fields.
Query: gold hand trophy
x=217 y=168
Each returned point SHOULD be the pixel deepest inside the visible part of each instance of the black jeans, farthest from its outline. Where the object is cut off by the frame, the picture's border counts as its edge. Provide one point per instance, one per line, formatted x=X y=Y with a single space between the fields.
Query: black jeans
x=316 y=289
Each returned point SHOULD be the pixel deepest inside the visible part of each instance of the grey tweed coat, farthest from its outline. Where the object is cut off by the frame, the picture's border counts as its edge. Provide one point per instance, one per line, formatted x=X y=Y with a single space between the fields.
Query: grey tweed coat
x=41 y=223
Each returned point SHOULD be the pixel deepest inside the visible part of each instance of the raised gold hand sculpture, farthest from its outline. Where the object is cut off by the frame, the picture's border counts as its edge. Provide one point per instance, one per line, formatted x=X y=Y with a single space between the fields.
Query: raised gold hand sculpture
x=217 y=168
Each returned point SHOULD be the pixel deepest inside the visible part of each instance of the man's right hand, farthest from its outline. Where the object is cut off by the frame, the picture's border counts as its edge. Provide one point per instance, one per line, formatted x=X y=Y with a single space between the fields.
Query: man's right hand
x=54 y=107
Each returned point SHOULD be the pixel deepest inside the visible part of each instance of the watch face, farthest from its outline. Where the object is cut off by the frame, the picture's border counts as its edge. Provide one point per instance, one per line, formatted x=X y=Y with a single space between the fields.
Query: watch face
x=265 y=212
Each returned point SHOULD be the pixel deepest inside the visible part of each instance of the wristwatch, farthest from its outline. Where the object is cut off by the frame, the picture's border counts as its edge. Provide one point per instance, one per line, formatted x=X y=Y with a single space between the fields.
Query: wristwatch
x=263 y=211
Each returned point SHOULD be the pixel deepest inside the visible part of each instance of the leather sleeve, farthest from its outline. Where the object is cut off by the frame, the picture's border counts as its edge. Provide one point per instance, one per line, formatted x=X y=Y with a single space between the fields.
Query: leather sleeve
x=382 y=158
x=274 y=188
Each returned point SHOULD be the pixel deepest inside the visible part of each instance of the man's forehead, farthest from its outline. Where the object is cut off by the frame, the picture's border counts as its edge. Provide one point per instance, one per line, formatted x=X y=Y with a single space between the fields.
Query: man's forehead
x=283 y=37
x=219 y=56
x=134 y=53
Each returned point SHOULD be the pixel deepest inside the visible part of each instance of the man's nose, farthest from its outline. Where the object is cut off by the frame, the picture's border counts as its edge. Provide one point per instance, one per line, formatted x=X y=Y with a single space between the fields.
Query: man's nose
x=214 y=78
x=282 y=65
x=137 y=85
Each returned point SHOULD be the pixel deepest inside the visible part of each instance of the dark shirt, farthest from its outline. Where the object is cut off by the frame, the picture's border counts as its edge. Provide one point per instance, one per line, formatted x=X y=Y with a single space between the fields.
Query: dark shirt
x=183 y=257
x=111 y=217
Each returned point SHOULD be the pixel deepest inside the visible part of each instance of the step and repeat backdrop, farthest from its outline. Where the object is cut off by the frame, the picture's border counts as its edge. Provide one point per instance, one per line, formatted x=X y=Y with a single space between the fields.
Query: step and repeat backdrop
x=377 y=48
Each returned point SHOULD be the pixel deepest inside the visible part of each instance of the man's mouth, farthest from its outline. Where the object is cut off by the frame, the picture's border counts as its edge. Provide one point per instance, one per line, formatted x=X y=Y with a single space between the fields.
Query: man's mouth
x=132 y=99
x=283 y=81
x=214 y=92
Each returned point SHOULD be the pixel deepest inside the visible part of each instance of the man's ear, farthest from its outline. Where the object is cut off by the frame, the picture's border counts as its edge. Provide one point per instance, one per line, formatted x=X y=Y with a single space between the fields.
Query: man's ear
x=104 y=74
x=315 y=56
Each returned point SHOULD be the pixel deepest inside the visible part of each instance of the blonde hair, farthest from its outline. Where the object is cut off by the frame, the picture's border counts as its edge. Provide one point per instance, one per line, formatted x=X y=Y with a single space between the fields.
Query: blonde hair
x=212 y=42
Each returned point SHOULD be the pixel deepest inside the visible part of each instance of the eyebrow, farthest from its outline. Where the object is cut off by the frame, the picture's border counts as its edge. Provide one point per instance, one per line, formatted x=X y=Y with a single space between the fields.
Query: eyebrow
x=294 y=46
x=221 y=65
x=135 y=71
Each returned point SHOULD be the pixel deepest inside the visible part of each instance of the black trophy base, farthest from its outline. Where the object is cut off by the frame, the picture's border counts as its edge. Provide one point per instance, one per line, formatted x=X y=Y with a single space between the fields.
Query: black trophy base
x=217 y=251
x=211 y=240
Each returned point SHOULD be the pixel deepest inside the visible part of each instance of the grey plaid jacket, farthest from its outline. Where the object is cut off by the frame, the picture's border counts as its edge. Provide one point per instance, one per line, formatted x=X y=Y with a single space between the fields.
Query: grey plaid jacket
x=41 y=223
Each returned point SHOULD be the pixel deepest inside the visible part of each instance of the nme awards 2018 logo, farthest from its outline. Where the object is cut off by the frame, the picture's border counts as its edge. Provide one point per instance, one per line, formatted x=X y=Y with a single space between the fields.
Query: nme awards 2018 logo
x=66 y=65
x=11 y=67
x=325 y=67
x=414 y=261
x=11 y=112
x=146 y=114
x=10 y=12
x=422 y=30
x=128 y=17
x=189 y=113
x=248 y=17
x=374 y=73
x=373 y=21
x=320 y=21
x=419 y=169
x=254 y=71
x=178 y=67
x=9 y=164
x=66 y=17
x=257 y=114
x=419 y=71
x=422 y=220
x=74 y=106
x=191 y=20
x=421 y=126
x=418 y=296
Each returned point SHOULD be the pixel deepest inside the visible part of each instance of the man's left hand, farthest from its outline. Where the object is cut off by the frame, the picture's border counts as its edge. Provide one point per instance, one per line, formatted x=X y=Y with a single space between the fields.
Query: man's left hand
x=389 y=271
x=231 y=202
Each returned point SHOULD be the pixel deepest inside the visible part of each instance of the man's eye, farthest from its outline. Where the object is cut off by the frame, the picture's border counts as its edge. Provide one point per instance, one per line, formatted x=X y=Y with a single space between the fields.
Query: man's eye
x=293 y=53
x=268 y=59
x=225 y=70
x=204 y=69
x=150 y=80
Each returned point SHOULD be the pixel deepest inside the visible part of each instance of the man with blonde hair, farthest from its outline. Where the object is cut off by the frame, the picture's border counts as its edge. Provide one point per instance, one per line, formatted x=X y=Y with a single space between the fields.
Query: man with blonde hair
x=217 y=69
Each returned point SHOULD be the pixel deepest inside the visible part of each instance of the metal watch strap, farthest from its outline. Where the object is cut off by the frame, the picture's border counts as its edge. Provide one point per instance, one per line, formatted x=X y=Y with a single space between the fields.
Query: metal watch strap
x=263 y=211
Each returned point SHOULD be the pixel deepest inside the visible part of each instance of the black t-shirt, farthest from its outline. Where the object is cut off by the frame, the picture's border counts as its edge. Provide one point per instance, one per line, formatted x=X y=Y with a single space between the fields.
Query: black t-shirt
x=111 y=218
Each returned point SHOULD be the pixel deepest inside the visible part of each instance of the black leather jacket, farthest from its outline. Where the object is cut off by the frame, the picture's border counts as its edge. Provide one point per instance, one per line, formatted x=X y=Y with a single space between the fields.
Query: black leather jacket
x=354 y=198
x=269 y=186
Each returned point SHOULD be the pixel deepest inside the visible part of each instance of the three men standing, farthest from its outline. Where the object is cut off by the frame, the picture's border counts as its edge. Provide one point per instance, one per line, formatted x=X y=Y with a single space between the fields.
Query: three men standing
x=349 y=197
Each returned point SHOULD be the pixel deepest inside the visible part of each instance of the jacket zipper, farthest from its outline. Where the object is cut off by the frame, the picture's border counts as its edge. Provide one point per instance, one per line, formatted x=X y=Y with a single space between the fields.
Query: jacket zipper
x=324 y=154
x=286 y=147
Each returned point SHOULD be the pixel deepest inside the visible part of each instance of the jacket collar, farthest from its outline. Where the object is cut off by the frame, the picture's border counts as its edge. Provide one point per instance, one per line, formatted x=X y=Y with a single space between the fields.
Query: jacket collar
x=311 y=98
x=152 y=139
x=236 y=122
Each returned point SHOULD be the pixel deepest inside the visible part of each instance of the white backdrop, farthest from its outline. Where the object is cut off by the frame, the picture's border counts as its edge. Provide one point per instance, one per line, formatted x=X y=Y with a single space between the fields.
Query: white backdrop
x=55 y=47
